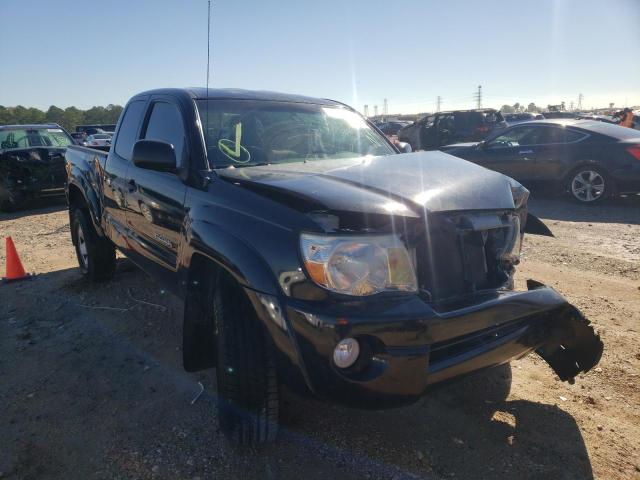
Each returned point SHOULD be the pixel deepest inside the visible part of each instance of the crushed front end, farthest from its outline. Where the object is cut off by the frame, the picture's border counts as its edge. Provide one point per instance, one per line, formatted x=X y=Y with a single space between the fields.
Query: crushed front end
x=464 y=316
x=405 y=347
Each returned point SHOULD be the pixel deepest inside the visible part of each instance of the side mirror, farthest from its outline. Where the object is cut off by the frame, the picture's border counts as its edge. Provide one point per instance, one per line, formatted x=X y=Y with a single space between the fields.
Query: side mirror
x=154 y=155
x=404 y=147
x=483 y=145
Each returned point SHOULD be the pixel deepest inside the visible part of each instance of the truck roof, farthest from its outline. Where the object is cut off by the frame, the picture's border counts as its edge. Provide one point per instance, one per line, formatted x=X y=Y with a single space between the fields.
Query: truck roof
x=239 y=94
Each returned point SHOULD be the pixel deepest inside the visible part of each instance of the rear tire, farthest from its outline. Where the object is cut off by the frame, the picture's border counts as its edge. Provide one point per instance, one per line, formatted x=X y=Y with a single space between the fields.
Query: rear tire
x=589 y=185
x=96 y=255
x=248 y=401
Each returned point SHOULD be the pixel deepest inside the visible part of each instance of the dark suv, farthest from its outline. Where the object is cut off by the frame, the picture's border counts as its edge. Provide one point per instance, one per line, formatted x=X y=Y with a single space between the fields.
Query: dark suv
x=443 y=128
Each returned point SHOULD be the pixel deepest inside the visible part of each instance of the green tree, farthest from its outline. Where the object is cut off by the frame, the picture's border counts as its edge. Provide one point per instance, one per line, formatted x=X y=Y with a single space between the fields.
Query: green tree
x=95 y=115
x=507 y=109
x=72 y=117
x=532 y=108
x=68 y=118
x=54 y=115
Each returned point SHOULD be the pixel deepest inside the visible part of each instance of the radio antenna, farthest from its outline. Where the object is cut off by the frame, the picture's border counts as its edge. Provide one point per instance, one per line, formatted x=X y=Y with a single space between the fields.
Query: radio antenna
x=205 y=128
x=208 y=41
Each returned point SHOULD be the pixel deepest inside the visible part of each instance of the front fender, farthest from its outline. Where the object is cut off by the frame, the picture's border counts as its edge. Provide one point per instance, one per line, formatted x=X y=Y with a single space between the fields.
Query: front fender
x=230 y=253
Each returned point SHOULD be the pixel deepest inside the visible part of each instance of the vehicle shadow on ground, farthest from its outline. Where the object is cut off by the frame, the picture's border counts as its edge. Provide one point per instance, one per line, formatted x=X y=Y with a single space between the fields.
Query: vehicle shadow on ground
x=97 y=389
x=466 y=429
x=619 y=210
x=36 y=207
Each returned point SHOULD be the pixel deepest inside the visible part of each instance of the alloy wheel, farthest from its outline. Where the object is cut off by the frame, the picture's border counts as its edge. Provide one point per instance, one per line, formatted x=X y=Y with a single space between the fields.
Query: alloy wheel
x=587 y=186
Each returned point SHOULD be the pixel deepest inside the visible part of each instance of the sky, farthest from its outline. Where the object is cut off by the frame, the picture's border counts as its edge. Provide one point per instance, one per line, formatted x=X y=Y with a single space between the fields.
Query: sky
x=81 y=53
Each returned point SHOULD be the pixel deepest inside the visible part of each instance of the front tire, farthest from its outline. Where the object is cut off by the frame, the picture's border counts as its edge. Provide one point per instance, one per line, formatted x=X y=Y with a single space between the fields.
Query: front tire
x=246 y=374
x=96 y=255
x=589 y=185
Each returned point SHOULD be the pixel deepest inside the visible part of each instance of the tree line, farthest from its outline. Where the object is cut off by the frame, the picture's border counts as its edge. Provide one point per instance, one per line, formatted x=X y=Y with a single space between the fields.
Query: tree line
x=67 y=118
x=517 y=108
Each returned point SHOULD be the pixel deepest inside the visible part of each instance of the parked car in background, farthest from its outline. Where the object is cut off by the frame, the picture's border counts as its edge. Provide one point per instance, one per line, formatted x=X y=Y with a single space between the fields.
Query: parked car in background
x=309 y=252
x=513 y=118
x=443 y=128
x=98 y=140
x=31 y=162
x=79 y=137
x=392 y=128
x=559 y=114
x=590 y=160
x=98 y=128
x=598 y=118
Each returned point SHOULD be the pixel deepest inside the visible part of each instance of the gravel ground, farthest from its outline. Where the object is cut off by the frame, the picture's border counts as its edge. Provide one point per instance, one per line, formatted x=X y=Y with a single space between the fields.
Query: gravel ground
x=92 y=384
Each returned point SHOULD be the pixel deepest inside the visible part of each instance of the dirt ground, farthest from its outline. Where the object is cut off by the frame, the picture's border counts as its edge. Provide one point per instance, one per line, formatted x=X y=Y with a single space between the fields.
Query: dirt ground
x=91 y=383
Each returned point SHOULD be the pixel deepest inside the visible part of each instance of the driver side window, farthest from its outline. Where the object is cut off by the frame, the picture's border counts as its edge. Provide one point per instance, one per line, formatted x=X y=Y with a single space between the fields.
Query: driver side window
x=165 y=124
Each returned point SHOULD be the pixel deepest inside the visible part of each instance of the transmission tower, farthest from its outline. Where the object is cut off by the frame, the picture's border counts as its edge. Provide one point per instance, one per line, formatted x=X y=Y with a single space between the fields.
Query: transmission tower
x=438 y=103
x=580 y=98
x=385 y=108
x=478 y=97
x=375 y=110
x=366 y=111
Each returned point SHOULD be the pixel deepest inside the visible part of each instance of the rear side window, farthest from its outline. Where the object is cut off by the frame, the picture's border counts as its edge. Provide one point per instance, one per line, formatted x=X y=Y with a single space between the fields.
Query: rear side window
x=546 y=135
x=573 y=136
x=165 y=124
x=128 y=131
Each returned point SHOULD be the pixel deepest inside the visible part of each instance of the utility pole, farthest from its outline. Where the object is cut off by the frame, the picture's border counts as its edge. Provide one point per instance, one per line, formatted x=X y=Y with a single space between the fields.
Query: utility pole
x=580 y=98
x=366 y=111
x=385 y=109
x=438 y=103
x=478 y=97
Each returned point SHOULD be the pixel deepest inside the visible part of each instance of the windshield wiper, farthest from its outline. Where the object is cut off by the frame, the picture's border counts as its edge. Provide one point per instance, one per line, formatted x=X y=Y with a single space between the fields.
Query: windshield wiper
x=241 y=165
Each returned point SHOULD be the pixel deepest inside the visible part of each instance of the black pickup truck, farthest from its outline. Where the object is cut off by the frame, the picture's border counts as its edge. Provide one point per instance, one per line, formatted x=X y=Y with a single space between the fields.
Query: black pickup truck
x=309 y=251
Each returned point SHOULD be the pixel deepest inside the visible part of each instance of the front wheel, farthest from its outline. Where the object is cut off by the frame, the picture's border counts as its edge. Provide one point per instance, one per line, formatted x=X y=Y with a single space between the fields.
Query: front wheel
x=589 y=185
x=246 y=374
x=96 y=255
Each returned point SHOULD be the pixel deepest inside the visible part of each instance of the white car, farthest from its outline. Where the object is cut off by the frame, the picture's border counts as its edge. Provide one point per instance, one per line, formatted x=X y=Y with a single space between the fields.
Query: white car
x=99 y=140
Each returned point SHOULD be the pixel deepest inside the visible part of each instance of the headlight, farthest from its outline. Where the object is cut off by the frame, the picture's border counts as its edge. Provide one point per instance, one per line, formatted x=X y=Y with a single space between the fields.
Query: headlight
x=512 y=243
x=520 y=194
x=358 y=265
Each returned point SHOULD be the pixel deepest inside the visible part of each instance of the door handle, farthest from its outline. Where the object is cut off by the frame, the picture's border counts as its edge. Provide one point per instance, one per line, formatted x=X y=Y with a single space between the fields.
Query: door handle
x=525 y=152
x=132 y=185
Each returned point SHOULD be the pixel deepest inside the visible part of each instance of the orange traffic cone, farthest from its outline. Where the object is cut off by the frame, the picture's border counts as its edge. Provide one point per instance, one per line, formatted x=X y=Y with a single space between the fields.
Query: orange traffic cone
x=15 y=270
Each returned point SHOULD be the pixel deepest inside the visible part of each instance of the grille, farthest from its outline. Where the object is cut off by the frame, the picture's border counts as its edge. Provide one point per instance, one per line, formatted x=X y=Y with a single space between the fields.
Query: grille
x=461 y=253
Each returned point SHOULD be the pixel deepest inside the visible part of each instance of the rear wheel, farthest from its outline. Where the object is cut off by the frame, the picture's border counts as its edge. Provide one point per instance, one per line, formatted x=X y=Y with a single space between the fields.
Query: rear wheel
x=246 y=373
x=96 y=255
x=589 y=185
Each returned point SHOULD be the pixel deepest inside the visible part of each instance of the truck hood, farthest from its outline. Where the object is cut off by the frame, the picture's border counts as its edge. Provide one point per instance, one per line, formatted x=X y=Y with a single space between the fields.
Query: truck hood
x=403 y=184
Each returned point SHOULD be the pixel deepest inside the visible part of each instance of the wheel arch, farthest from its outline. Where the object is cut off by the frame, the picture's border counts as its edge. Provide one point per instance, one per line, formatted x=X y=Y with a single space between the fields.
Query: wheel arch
x=79 y=197
x=203 y=266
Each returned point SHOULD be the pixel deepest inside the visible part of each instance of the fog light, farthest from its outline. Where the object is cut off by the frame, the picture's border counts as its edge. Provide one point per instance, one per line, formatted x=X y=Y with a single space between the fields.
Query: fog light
x=346 y=352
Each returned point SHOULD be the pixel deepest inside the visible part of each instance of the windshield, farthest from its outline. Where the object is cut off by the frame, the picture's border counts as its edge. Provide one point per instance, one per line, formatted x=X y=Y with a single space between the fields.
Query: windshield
x=34 y=137
x=247 y=132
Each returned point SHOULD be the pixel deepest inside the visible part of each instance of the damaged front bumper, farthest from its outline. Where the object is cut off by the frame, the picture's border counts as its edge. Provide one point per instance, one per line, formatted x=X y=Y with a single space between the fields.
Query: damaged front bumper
x=408 y=346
